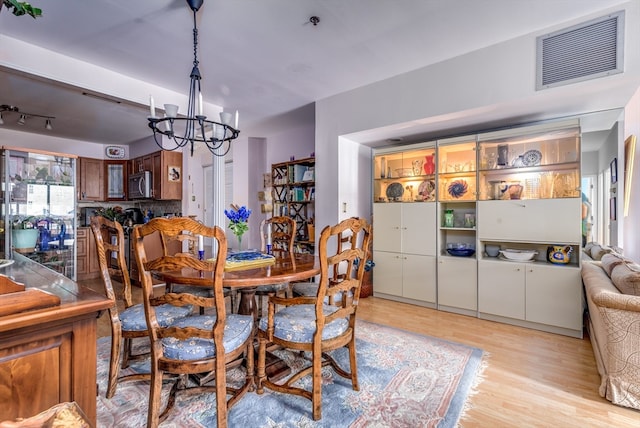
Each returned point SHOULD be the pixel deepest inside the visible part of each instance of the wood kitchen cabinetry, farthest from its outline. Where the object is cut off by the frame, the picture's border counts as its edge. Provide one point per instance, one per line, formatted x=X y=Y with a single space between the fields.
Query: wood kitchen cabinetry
x=90 y=179
x=166 y=170
x=87 y=261
x=115 y=180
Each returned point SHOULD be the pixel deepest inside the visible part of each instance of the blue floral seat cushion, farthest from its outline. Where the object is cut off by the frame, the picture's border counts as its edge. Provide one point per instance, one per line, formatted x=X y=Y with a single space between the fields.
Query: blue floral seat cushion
x=236 y=331
x=298 y=323
x=133 y=319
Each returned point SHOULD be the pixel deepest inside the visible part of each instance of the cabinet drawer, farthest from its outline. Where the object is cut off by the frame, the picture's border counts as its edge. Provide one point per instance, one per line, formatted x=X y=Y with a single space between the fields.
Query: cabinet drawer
x=543 y=220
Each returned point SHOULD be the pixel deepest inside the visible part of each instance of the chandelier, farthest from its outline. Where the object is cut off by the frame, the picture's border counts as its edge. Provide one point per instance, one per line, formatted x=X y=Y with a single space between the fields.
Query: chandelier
x=181 y=131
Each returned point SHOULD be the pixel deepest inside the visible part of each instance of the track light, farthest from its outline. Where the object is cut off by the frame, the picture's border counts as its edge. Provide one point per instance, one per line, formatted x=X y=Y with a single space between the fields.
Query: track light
x=6 y=108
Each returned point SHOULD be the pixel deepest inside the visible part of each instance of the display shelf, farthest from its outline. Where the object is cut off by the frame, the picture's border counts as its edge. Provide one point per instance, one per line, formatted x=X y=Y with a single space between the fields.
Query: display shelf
x=293 y=194
x=405 y=175
x=543 y=164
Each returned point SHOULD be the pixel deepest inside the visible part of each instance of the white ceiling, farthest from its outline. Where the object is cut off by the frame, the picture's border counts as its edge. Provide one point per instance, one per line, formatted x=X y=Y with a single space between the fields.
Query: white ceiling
x=261 y=57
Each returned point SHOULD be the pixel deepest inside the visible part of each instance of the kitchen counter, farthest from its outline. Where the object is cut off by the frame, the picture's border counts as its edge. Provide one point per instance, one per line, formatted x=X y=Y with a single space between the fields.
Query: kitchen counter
x=48 y=355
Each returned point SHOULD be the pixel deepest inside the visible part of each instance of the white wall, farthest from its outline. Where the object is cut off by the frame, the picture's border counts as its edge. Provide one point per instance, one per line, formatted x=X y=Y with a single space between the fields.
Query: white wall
x=632 y=221
x=497 y=78
x=27 y=140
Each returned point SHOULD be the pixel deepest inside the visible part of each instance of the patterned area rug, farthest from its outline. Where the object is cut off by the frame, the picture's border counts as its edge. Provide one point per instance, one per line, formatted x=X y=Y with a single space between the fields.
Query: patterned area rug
x=406 y=380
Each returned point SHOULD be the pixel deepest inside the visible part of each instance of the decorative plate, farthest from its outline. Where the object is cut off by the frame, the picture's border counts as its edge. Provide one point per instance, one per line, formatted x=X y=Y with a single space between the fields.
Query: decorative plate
x=531 y=158
x=458 y=188
x=395 y=191
x=427 y=190
x=114 y=152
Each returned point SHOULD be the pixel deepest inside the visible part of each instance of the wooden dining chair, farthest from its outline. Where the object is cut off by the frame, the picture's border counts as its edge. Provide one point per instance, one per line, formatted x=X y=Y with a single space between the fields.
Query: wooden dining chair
x=283 y=233
x=186 y=243
x=311 y=324
x=128 y=321
x=199 y=343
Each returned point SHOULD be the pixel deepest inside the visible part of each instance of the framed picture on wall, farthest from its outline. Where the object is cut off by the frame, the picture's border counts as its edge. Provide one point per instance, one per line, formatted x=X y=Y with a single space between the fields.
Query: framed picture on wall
x=614 y=170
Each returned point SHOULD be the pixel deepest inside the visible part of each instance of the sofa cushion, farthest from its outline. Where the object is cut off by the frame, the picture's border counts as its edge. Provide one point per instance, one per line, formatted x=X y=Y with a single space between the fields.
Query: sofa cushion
x=589 y=246
x=609 y=261
x=626 y=277
x=597 y=251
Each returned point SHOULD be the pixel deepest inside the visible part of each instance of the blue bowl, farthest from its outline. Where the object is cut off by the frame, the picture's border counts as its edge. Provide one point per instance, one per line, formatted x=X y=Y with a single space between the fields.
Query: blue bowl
x=461 y=252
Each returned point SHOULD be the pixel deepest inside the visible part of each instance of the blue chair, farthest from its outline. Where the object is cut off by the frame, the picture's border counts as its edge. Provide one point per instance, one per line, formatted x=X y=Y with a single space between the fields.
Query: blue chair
x=199 y=343
x=313 y=325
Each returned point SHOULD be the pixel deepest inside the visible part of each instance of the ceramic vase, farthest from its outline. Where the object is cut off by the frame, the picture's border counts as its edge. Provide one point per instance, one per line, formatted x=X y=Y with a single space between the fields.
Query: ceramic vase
x=429 y=165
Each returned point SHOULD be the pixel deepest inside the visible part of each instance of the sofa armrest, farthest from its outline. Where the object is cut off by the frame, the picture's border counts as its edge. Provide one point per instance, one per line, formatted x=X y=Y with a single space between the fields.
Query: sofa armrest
x=602 y=292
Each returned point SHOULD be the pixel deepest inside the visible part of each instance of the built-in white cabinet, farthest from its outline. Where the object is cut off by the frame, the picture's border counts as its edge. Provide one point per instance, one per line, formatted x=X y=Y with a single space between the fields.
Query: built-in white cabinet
x=532 y=292
x=457 y=285
x=516 y=189
x=538 y=220
x=404 y=216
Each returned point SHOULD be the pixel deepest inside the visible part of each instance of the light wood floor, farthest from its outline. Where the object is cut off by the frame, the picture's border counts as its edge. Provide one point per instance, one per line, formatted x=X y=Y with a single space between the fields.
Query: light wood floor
x=532 y=378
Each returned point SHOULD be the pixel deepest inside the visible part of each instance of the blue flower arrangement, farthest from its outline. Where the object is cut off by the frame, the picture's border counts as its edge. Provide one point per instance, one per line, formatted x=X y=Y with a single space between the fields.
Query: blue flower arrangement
x=367 y=266
x=238 y=218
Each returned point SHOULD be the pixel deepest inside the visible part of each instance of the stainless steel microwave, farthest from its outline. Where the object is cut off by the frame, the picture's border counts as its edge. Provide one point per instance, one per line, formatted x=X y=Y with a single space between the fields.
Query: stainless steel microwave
x=140 y=185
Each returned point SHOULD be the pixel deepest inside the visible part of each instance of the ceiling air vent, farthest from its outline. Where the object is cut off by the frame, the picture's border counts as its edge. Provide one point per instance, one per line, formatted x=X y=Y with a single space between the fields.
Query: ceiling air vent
x=582 y=52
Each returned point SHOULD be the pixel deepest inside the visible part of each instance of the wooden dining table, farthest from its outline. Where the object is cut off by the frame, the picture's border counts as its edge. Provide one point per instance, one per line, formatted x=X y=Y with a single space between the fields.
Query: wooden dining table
x=288 y=267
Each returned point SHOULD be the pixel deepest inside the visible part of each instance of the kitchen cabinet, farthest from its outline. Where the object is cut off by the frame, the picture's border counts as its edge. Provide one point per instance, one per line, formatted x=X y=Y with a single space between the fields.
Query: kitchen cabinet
x=166 y=170
x=532 y=292
x=90 y=179
x=115 y=173
x=87 y=255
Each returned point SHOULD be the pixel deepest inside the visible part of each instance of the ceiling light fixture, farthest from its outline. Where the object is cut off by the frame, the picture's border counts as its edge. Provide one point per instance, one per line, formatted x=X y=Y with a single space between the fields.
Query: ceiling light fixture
x=193 y=128
x=5 y=108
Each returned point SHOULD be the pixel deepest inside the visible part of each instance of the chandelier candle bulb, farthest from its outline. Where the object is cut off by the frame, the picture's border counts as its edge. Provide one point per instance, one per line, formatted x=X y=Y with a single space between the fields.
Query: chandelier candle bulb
x=236 y=119
x=167 y=124
x=152 y=106
x=200 y=108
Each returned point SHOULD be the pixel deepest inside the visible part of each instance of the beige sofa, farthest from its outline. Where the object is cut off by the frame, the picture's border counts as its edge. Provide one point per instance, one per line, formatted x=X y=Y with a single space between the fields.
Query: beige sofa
x=612 y=288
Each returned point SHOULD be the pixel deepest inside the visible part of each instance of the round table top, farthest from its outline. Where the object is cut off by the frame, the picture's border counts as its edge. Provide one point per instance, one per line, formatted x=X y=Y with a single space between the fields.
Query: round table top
x=287 y=268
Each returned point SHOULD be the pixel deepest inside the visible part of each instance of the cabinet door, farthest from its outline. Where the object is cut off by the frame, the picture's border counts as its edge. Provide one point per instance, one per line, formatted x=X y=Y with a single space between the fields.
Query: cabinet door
x=167 y=175
x=91 y=179
x=554 y=296
x=388 y=276
x=458 y=283
x=387 y=222
x=501 y=289
x=419 y=229
x=82 y=250
x=542 y=220
x=115 y=179
x=419 y=277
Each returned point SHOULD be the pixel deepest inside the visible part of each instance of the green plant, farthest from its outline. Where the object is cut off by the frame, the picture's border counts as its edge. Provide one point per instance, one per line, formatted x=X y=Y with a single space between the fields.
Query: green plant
x=20 y=222
x=21 y=8
x=112 y=213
